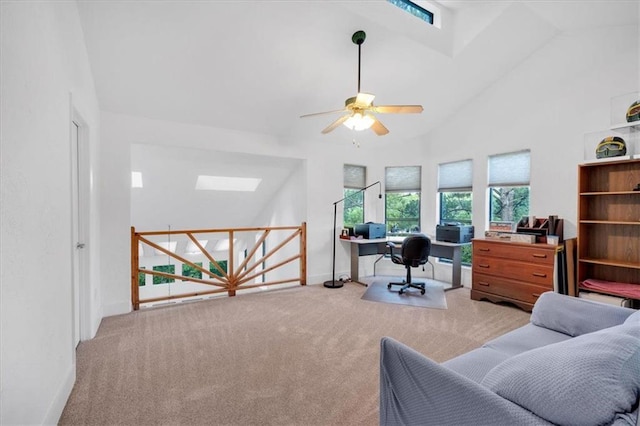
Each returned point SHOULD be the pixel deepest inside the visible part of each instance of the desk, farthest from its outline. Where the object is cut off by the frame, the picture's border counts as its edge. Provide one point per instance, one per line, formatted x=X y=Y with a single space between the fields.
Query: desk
x=442 y=249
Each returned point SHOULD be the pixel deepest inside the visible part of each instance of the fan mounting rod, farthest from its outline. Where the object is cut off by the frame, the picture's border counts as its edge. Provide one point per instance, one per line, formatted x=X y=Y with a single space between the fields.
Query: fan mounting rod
x=358 y=38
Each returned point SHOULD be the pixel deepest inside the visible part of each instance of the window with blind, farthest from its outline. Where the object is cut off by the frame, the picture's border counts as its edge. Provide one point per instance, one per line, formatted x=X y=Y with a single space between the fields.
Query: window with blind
x=509 y=186
x=455 y=182
x=402 y=199
x=355 y=178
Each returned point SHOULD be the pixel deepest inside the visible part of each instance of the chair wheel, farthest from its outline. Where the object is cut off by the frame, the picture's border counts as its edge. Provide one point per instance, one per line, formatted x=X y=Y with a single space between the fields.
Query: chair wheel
x=389 y=286
x=401 y=291
x=422 y=291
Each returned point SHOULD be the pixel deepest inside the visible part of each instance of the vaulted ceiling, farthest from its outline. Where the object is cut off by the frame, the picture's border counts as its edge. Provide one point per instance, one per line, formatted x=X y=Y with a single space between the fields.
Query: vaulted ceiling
x=258 y=65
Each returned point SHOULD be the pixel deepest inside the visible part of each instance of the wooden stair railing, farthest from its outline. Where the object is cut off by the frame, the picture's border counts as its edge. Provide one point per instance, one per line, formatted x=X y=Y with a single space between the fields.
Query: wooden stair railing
x=231 y=279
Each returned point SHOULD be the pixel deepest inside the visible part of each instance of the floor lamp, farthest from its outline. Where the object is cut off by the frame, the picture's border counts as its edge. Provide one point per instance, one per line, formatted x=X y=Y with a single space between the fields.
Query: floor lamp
x=333 y=283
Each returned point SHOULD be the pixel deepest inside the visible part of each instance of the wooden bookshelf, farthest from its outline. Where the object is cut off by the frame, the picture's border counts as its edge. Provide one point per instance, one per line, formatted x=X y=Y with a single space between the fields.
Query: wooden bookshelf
x=609 y=223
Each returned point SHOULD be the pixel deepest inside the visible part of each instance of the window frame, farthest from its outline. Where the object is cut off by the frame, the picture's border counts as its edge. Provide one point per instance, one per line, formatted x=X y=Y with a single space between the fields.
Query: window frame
x=409 y=189
x=415 y=9
x=456 y=177
x=509 y=176
x=350 y=183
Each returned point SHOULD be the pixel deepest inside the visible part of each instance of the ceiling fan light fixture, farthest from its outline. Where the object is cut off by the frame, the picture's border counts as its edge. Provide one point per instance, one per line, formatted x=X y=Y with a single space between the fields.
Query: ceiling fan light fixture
x=357 y=108
x=359 y=121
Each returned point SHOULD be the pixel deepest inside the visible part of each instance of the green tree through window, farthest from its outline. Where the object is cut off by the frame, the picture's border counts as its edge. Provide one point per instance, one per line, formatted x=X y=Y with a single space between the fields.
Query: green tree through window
x=456 y=207
x=509 y=203
x=141 y=277
x=190 y=271
x=214 y=270
x=353 y=207
x=167 y=269
x=402 y=212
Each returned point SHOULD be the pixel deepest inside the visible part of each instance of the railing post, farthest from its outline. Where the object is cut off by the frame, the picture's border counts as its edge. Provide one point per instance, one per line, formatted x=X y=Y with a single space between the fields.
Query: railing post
x=135 y=265
x=303 y=253
x=233 y=278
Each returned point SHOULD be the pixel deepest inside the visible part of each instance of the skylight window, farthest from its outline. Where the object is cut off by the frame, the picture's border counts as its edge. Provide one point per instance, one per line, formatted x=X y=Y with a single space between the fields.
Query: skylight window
x=223 y=245
x=167 y=245
x=414 y=9
x=227 y=183
x=194 y=249
x=136 y=179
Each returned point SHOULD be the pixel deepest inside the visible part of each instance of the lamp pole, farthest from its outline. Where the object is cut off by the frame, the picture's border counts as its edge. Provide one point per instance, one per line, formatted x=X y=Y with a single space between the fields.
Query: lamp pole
x=332 y=283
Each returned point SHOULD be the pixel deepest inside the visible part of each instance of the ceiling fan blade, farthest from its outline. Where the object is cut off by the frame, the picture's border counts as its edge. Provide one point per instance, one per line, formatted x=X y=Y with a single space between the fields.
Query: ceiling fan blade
x=364 y=99
x=323 y=113
x=335 y=124
x=379 y=128
x=398 y=109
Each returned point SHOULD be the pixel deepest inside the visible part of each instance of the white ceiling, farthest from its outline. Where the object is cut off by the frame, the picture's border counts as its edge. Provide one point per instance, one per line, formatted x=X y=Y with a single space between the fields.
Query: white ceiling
x=258 y=65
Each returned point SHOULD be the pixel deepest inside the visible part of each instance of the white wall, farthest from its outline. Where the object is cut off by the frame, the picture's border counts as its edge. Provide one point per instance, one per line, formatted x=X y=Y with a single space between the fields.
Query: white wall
x=43 y=61
x=308 y=195
x=546 y=104
x=119 y=133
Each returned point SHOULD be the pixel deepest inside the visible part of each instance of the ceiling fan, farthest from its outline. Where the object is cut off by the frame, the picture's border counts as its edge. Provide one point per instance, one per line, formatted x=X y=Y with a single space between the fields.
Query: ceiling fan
x=358 y=108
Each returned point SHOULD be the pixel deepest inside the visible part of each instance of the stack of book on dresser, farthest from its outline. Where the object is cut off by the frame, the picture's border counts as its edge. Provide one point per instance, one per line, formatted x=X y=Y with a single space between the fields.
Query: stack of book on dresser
x=510 y=236
x=528 y=230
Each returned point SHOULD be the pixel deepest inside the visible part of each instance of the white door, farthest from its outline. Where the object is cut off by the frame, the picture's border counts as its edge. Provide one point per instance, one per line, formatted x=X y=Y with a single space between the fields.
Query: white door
x=80 y=188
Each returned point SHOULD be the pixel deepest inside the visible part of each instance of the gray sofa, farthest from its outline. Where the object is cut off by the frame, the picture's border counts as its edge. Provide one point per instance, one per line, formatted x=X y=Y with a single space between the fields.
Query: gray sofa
x=576 y=363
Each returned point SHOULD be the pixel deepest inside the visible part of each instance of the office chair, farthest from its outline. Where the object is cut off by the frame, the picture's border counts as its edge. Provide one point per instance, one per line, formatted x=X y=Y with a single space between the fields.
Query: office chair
x=415 y=252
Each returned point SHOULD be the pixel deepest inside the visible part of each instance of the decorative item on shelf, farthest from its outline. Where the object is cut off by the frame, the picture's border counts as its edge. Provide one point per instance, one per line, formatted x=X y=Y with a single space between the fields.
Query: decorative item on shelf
x=633 y=113
x=637 y=188
x=500 y=225
x=542 y=227
x=611 y=146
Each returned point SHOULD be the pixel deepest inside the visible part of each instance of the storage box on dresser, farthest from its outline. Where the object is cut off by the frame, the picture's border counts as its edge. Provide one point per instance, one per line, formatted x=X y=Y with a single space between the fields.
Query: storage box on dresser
x=518 y=273
x=609 y=224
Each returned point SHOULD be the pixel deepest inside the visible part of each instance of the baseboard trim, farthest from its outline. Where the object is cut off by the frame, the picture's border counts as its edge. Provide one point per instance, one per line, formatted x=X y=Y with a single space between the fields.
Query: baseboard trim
x=62 y=396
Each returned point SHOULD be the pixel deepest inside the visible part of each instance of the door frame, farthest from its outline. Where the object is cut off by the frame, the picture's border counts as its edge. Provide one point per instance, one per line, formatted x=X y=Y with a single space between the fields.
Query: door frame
x=80 y=227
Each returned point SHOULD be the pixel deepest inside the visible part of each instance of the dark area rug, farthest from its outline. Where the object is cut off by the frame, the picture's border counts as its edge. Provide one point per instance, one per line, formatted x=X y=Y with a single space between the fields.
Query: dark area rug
x=432 y=298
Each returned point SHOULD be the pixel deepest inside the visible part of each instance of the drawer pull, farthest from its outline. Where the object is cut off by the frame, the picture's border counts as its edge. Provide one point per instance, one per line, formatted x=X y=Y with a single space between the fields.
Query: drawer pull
x=483 y=265
x=539 y=274
x=483 y=249
x=539 y=256
x=483 y=283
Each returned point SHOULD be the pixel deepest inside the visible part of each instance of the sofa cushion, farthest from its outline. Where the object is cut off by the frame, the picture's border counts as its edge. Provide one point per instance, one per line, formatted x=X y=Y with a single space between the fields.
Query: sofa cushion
x=633 y=318
x=574 y=316
x=524 y=339
x=584 y=380
x=477 y=363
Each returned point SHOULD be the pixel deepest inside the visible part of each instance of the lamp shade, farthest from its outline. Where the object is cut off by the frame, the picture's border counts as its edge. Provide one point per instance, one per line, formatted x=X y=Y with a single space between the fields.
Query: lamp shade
x=359 y=121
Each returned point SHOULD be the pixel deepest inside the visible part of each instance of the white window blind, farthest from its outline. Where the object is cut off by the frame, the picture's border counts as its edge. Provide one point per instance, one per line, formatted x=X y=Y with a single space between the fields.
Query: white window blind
x=511 y=169
x=355 y=177
x=456 y=176
x=403 y=179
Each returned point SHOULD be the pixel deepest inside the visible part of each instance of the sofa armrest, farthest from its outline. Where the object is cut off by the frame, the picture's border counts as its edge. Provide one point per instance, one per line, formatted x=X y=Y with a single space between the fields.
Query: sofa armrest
x=574 y=316
x=417 y=390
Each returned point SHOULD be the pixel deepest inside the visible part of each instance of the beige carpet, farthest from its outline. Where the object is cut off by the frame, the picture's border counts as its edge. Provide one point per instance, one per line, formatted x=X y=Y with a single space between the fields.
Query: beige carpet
x=433 y=296
x=300 y=356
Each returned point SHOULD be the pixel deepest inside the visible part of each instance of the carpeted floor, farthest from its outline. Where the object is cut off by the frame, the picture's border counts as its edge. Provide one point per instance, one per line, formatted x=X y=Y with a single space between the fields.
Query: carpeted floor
x=300 y=356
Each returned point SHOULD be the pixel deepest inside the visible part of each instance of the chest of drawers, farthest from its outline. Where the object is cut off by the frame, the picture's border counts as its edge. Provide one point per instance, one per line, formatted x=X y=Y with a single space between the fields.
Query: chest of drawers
x=518 y=273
